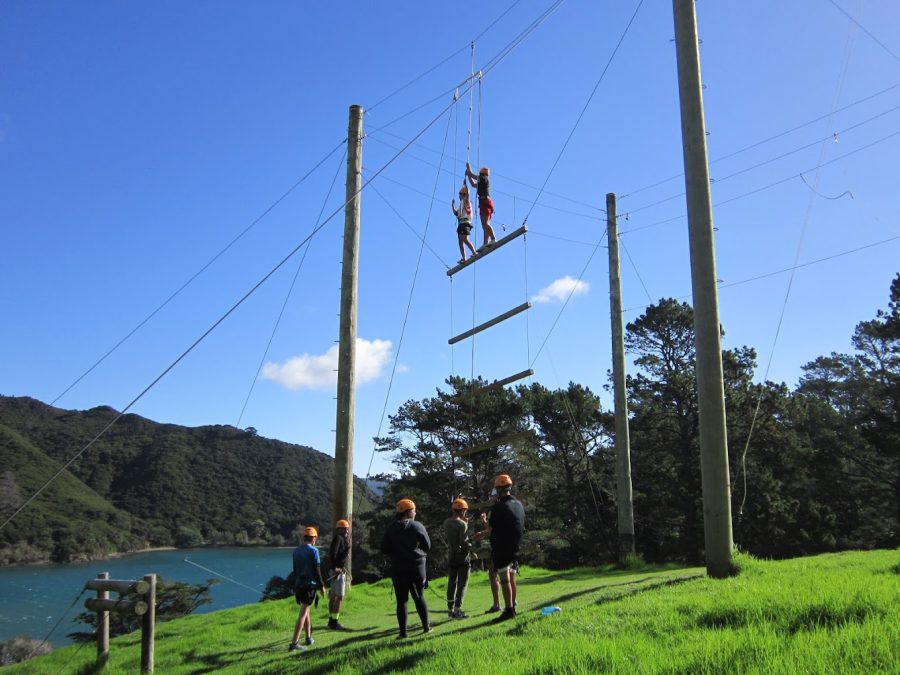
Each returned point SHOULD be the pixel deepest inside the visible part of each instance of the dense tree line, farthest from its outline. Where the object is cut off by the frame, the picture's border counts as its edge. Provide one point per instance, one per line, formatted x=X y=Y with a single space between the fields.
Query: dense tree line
x=147 y=484
x=813 y=469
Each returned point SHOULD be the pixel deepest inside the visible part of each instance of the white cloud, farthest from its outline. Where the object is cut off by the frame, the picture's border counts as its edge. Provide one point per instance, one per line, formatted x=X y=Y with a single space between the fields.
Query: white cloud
x=310 y=371
x=560 y=289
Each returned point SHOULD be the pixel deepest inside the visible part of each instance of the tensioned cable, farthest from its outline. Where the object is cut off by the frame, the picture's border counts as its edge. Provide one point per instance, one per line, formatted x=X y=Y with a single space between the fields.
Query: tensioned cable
x=770 y=185
x=410 y=227
x=405 y=317
x=634 y=267
x=515 y=42
x=222 y=576
x=442 y=62
x=483 y=235
x=496 y=60
x=198 y=273
x=493 y=190
x=527 y=322
x=813 y=144
x=765 y=140
x=584 y=109
x=787 y=295
x=577 y=433
x=866 y=31
x=575 y=286
x=287 y=295
x=59 y=621
x=785 y=270
x=208 y=331
x=495 y=174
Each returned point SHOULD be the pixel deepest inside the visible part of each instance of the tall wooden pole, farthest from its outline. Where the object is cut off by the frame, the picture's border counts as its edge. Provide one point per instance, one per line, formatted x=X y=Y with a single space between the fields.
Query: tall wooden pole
x=343 y=444
x=623 y=444
x=710 y=381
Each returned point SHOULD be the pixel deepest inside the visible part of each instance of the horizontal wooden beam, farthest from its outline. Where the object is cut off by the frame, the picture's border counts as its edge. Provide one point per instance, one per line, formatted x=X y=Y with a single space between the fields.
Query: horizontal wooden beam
x=487 y=324
x=508 y=380
x=503 y=440
x=488 y=249
x=496 y=384
x=138 y=607
x=118 y=585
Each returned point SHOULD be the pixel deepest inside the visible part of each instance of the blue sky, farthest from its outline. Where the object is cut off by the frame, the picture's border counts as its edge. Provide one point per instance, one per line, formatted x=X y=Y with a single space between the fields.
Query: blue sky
x=138 y=139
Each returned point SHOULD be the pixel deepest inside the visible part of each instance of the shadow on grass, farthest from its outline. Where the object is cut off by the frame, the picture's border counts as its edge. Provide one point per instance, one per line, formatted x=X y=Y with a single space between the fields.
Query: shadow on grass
x=637 y=586
x=807 y=619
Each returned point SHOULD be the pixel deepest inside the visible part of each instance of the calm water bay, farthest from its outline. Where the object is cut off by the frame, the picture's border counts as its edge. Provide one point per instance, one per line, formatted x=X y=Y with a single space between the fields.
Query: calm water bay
x=34 y=597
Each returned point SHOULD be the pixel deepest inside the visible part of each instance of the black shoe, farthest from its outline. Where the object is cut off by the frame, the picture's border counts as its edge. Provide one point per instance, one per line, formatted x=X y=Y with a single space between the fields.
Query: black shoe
x=458 y=614
x=506 y=614
x=495 y=608
x=334 y=624
x=402 y=636
x=426 y=629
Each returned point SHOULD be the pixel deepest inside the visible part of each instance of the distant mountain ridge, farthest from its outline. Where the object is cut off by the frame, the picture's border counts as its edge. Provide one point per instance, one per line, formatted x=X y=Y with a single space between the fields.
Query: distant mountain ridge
x=145 y=484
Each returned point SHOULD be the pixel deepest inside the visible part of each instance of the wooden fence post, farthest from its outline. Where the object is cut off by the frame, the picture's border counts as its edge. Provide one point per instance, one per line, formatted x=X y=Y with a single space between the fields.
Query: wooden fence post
x=102 y=626
x=148 y=629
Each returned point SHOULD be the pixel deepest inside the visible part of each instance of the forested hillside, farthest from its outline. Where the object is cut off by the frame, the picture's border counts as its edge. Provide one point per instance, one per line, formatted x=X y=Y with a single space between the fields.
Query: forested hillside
x=149 y=484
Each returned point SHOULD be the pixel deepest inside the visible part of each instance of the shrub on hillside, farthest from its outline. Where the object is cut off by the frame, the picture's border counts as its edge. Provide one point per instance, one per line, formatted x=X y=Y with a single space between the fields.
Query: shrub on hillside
x=22 y=648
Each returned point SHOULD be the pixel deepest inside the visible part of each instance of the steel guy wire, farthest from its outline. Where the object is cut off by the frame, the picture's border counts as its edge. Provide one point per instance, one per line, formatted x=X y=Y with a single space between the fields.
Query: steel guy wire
x=766 y=140
x=807 y=146
x=406 y=314
x=287 y=296
x=209 y=330
x=769 y=186
x=587 y=103
x=785 y=270
x=197 y=273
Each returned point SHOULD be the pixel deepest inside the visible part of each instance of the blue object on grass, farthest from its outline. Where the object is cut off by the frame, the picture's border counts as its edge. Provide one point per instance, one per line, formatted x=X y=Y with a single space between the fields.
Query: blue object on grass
x=547 y=611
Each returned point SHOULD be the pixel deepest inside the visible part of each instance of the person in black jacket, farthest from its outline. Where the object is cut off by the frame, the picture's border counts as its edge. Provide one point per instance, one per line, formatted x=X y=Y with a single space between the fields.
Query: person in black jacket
x=338 y=556
x=407 y=543
x=507 y=525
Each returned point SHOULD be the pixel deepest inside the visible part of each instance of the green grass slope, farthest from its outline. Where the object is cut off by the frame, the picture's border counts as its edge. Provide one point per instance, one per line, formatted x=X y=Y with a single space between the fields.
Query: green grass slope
x=835 y=613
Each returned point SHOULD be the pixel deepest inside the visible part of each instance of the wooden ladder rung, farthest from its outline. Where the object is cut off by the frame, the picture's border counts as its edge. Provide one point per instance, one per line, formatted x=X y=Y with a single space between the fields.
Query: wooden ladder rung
x=497 y=384
x=493 y=247
x=504 y=440
x=488 y=324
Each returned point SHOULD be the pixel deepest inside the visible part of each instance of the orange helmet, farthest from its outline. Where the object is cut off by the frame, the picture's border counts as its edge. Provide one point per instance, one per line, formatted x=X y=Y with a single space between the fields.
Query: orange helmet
x=310 y=532
x=459 y=505
x=503 y=480
x=343 y=523
x=405 y=505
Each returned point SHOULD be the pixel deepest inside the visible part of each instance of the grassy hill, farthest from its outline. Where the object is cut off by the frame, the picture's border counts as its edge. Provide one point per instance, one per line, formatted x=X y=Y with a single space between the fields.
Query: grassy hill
x=163 y=484
x=834 y=613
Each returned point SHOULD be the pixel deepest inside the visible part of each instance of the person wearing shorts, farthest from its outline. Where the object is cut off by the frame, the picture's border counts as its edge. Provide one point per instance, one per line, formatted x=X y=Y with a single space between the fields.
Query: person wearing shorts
x=464 y=222
x=482 y=184
x=307 y=582
x=338 y=557
x=507 y=525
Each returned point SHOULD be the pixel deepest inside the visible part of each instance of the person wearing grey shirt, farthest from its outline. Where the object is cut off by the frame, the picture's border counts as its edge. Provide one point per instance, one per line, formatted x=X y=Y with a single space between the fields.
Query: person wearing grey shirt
x=458 y=550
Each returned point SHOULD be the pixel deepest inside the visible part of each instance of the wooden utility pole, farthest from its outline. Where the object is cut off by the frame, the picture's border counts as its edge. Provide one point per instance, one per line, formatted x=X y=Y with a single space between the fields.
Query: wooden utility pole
x=343 y=443
x=623 y=444
x=710 y=382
